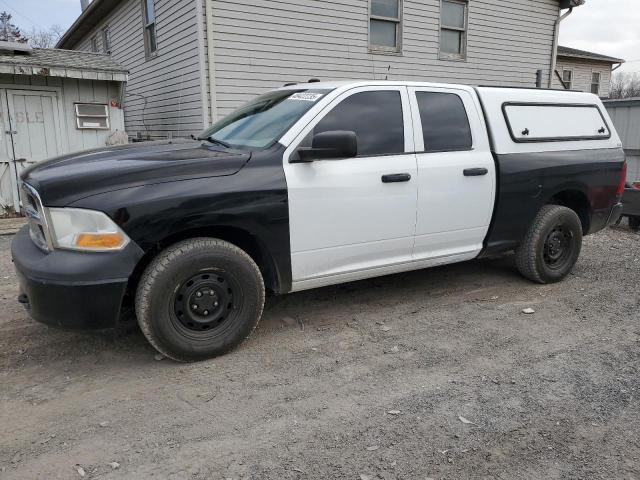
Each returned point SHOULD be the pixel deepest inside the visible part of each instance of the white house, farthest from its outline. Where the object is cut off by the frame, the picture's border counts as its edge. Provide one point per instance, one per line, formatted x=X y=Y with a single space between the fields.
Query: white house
x=585 y=71
x=192 y=61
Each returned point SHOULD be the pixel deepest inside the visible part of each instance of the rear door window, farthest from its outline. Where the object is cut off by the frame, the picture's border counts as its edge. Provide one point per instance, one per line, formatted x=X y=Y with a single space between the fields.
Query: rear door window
x=445 y=125
x=375 y=117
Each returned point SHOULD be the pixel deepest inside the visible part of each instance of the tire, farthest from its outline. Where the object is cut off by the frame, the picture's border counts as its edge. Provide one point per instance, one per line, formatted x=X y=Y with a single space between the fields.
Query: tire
x=199 y=299
x=634 y=223
x=551 y=246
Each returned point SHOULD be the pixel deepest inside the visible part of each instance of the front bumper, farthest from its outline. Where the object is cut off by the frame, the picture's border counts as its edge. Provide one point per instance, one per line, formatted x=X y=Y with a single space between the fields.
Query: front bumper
x=72 y=289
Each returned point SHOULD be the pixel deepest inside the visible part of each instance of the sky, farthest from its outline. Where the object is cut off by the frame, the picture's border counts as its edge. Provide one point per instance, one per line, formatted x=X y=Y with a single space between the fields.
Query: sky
x=610 y=27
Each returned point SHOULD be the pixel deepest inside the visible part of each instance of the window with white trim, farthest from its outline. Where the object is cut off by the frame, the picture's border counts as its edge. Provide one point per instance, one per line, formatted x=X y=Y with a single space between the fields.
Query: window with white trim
x=453 y=29
x=149 y=18
x=595 y=83
x=92 y=116
x=94 y=44
x=385 y=25
x=567 y=78
x=106 y=39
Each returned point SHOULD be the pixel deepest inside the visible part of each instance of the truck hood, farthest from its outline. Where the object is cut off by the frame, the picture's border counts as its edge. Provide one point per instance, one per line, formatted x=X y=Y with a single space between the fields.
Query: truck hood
x=64 y=180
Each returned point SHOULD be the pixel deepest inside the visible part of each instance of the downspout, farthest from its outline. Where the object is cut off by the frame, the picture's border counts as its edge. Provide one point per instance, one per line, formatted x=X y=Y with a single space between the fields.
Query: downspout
x=200 y=15
x=617 y=67
x=211 y=60
x=554 y=52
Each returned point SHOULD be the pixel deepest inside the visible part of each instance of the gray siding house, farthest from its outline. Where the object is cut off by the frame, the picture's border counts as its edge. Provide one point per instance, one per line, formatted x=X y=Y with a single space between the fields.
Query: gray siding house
x=585 y=71
x=193 y=61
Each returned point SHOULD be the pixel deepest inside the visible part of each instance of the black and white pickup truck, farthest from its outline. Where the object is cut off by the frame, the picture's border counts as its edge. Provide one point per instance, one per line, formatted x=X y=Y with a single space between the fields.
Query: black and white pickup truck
x=310 y=185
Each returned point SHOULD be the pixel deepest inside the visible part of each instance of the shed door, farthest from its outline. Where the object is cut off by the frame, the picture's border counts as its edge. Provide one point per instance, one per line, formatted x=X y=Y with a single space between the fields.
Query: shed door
x=32 y=126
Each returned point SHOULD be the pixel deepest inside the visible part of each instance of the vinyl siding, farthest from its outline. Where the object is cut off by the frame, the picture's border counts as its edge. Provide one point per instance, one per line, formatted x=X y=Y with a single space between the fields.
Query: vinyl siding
x=262 y=45
x=582 y=70
x=164 y=93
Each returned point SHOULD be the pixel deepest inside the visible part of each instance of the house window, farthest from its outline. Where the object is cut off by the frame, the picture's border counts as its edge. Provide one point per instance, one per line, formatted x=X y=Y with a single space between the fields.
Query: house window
x=453 y=29
x=385 y=25
x=595 y=83
x=567 y=78
x=150 y=39
x=106 y=40
x=92 y=116
x=94 y=44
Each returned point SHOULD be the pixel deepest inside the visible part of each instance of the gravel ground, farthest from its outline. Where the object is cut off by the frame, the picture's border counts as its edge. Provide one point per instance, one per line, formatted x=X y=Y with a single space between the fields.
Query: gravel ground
x=430 y=374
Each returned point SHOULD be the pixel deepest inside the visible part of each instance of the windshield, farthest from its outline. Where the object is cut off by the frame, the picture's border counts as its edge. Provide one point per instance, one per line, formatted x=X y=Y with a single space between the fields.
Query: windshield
x=261 y=122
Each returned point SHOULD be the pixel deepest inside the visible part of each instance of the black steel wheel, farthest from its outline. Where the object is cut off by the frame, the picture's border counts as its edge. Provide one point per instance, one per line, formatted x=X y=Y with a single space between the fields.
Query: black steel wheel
x=199 y=299
x=551 y=246
x=558 y=248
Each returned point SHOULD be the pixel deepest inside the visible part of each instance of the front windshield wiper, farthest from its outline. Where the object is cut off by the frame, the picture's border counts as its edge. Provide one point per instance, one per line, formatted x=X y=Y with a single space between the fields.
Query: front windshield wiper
x=215 y=141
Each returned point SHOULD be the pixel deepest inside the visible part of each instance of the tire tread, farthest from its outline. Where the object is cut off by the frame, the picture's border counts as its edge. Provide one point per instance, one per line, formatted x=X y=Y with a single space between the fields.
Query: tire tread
x=161 y=263
x=526 y=256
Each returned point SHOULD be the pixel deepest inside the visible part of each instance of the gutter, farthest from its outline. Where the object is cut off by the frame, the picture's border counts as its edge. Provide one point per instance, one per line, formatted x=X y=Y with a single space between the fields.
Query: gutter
x=554 y=52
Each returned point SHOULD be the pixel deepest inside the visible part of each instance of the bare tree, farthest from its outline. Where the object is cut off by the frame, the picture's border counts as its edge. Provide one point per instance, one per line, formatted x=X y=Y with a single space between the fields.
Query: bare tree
x=625 y=85
x=45 y=38
x=8 y=31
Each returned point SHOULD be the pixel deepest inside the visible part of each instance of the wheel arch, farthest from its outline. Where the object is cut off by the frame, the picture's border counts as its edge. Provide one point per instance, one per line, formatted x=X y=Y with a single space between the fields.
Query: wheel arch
x=575 y=198
x=239 y=237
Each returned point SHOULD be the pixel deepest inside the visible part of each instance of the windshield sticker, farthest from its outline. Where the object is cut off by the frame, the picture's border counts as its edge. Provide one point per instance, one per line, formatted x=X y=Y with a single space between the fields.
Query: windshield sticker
x=306 y=96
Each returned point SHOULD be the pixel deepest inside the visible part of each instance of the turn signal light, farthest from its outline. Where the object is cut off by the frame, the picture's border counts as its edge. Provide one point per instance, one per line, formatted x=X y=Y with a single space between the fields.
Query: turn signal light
x=99 y=240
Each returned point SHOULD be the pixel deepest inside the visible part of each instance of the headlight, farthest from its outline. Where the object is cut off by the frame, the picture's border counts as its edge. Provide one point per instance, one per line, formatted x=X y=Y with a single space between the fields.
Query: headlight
x=86 y=230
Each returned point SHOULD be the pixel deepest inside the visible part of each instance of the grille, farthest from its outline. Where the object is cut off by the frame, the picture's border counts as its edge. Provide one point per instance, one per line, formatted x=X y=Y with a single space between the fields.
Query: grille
x=36 y=216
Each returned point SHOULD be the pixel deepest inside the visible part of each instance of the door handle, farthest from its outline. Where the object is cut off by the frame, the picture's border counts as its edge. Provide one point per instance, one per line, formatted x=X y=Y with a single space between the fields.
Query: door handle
x=475 y=172
x=396 y=178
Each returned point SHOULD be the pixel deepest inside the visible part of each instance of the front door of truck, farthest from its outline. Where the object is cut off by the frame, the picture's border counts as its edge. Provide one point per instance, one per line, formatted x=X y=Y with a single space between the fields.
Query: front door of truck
x=354 y=215
x=456 y=174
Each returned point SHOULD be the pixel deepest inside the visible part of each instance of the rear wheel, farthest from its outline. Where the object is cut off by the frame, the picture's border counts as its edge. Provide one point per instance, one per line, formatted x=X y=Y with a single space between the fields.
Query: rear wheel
x=199 y=299
x=551 y=246
x=634 y=223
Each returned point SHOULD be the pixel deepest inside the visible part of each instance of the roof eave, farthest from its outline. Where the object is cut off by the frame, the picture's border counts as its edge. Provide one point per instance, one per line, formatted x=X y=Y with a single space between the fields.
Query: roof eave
x=96 y=11
x=610 y=60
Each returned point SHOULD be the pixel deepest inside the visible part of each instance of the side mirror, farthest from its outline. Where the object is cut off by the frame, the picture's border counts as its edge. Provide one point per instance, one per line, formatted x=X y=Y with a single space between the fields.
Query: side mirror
x=327 y=146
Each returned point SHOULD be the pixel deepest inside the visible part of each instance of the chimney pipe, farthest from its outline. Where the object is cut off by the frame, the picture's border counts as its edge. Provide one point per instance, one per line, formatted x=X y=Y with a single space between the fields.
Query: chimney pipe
x=84 y=4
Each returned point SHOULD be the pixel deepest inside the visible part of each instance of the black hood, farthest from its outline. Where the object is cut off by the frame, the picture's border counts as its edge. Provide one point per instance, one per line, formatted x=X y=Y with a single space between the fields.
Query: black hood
x=64 y=180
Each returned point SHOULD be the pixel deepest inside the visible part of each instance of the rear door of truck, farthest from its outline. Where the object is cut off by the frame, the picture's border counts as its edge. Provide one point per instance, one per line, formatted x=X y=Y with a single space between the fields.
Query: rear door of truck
x=456 y=173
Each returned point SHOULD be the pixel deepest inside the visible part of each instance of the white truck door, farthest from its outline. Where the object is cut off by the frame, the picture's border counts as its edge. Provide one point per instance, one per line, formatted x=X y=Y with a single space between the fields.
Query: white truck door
x=351 y=216
x=456 y=173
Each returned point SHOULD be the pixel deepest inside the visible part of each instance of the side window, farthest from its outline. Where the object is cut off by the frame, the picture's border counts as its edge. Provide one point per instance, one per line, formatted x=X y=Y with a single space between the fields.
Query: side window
x=453 y=29
x=567 y=78
x=149 y=17
x=375 y=117
x=445 y=125
x=106 y=40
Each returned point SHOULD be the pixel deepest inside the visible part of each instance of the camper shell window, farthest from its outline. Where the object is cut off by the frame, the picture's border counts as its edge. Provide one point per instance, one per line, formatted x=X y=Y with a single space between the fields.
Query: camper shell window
x=554 y=122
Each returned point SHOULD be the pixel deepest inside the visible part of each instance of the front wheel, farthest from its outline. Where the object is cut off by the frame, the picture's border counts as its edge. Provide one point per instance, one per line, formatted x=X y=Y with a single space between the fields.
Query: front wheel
x=551 y=246
x=199 y=299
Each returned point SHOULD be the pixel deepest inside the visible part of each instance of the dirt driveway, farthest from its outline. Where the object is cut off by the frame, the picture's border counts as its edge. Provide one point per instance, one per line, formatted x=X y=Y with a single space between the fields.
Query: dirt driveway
x=432 y=374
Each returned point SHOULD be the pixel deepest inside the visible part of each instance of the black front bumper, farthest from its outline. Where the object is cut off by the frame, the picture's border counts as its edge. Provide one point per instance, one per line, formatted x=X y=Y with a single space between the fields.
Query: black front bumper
x=72 y=289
